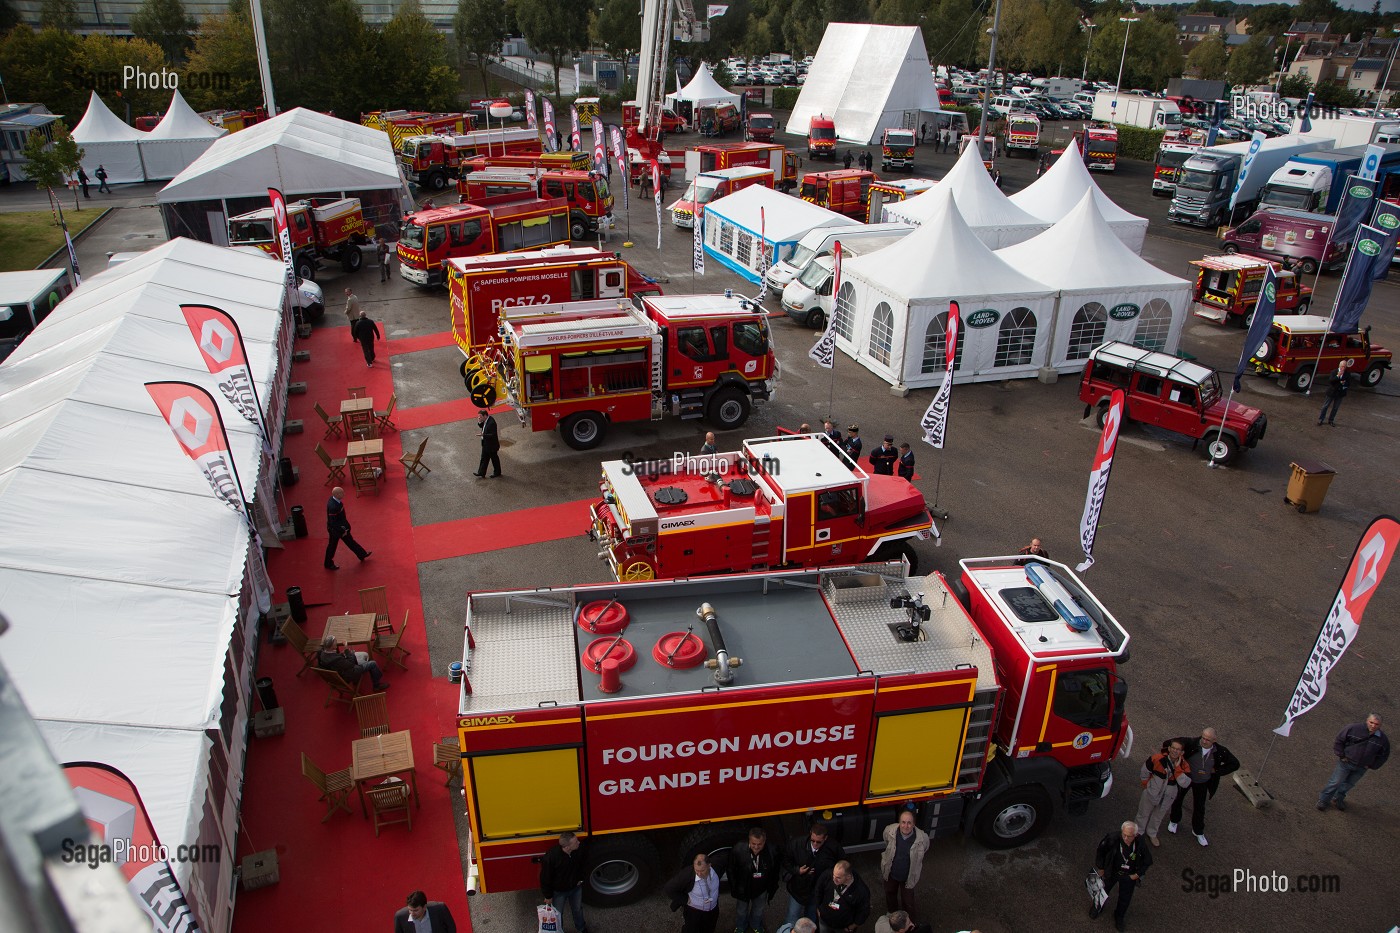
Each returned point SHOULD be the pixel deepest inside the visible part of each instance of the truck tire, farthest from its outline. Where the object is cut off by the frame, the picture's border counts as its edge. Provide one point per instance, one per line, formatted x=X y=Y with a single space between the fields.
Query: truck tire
x=305 y=267
x=816 y=319
x=713 y=839
x=1266 y=350
x=1230 y=249
x=352 y=258
x=578 y=226
x=1307 y=267
x=729 y=408
x=1101 y=416
x=1013 y=817
x=1372 y=375
x=620 y=870
x=436 y=180
x=584 y=431
x=1303 y=306
x=1221 y=449
x=894 y=550
x=1302 y=379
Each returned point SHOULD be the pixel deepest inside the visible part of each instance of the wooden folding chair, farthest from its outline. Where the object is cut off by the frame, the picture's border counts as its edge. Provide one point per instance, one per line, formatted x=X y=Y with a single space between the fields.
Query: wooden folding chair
x=337 y=688
x=413 y=463
x=372 y=711
x=357 y=392
x=334 y=787
x=362 y=478
x=390 y=644
x=333 y=422
x=335 y=468
x=447 y=755
x=375 y=599
x=296 y=636
x=384 y=420
x=389 y=798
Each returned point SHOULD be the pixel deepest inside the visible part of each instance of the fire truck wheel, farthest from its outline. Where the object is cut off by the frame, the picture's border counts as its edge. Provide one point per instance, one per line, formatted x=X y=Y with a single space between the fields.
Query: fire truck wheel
x=437 y=181
x=1014 y=817
x=1301 y=379
x=578 y=227
x=306 y=268
x=1372 y=375
x=1304 y=305
x=1307 y=267
x=715 y=840
x=1101 y=418
x=816 y=319
x=729 y=408
x=621 y=870
x=1266 y=350
x=1222 y=448
x=583 y=431
x=637 y=570
x=353 y=259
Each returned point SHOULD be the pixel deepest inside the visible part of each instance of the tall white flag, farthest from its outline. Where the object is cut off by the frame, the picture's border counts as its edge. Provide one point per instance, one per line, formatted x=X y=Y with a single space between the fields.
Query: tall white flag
x=697 y=261
x=935 y=420
x=824 y=350
x=1098 y=478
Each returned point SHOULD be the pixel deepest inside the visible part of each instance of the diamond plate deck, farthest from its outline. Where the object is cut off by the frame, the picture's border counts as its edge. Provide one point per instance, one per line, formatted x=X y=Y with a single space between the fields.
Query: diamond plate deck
x=523 y=658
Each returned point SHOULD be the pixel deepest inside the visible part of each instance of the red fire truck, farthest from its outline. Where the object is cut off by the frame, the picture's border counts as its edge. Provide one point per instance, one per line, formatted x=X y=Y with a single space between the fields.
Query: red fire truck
x=480 y=286
x=1099 y=143
x=897 y=149
x=711 y=186
x=430 y=161
x=843 y=190
x=504 y=224
x=794 y=501
x=586 y=192
x=582 y=365
x=670 y=121
x=1170 y=157
x=821 y=138
x=318 y=228
x=1022 y=134
x=713 y=156
x=578 y=161
x=661 y=719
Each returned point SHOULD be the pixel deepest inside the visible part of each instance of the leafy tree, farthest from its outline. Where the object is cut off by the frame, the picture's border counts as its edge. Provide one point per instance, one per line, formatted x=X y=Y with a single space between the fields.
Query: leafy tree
x=1252 y=62
x=43 y=66
x=617 y=28
x=225 y=46
x=558 y=28
x=59 y=14
x=1336 y=95
x=1270 y=19
x=480 y=26
x=329 y=67
x=1316 y=11
x=165 y=23
x=48 y=166
x=413 y=64
x=899 y=12
x=1209 y=59
x=9 y=17
x=1153 y=53
x=798 y=25
x=951 y=31
x=106 y=56
x=1295 y=86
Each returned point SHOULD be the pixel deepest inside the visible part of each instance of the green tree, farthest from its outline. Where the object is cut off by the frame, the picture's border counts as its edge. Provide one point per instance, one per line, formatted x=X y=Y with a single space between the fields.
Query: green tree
x=106 y=56
x=617 y=28
x=225 y=46
x=1153 y=53
x=165 y=23
x=9 y=17
x=59 y=14
x=1270 y=19
x=43 y=66
x=413 y=64
x=1209 y=59
x=1316 y=11
x=1336 y=95
x=1295 y=86
x=480 y=26
x=328 y=67
x=48 y=165
x=1252 y=62
x=951 y=30
x=798 y=25
x=557 y=28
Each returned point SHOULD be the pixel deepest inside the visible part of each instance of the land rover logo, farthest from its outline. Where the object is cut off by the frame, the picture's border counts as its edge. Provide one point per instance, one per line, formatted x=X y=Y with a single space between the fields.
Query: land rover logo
x=1360 y=191
x=1124 y=312
x=1269 y=291
x=1369 y=247
x=1389 y=221
x=985 y=317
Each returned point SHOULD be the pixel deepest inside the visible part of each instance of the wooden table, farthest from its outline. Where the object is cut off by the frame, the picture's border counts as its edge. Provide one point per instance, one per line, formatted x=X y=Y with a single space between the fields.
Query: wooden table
x=352 y=629
x=369 y=452
x=359 y=416
x=383 y=756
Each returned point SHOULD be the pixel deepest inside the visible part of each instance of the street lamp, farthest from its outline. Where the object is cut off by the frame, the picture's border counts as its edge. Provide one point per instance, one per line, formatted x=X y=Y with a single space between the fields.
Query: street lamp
x=1113 y=111
x=1091 y=27
x=1284 y=67
x=1380 y=93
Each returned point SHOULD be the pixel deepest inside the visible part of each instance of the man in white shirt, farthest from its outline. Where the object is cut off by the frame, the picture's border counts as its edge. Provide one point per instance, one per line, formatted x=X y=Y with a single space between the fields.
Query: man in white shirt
x=696 y=889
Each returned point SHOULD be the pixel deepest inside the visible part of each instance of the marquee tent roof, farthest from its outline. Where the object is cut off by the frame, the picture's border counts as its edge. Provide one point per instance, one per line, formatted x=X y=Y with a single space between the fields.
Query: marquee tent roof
x=110 y=143
x=181 y=122
x=181 y=137
x=703 y=89
x=1054 y=194
x=781 y=218
x=101 y=125
x=992 y=216
x=299 y=151
x=867 y=78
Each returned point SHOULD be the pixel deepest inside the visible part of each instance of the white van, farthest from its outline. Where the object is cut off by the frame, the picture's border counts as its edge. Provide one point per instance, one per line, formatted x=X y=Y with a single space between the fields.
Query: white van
x=807 y=299
x=820 y=242
x=1003 y=104
x=1086 y=98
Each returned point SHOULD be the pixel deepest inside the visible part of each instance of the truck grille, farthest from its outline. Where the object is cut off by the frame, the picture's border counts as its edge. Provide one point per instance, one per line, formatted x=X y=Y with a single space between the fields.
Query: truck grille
x=1189 y=203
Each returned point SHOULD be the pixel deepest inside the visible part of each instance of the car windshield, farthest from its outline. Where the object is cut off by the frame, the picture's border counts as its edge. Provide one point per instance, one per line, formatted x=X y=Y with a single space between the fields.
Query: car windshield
x=1102 y=146
x=901 y=139
x=601 y=184
x=1167 y=159
x=801 y=256
x=814 y=275
x=761 y=123
x=1287 y=196
x=1210 y=391
x=703 y=190
x=1172 y=119
x=412 y=236
x=1020 y=125
x=250 y=231
x=1197 y=179
x=823 y=132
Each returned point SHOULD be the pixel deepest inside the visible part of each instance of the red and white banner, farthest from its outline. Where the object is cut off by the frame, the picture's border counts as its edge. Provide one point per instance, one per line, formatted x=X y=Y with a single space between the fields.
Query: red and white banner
x=575 y=136
x=600 y=147
x=823 y=352
x=620 y=155
x=530 y=120
x=72 y=258
x=284 y=235
x=1098 y=478
x=550 y=137
x=194 y=418
x=1368 y=566
x=762 y=255
x=935 y=420
x=656 y=194
x=220 y=343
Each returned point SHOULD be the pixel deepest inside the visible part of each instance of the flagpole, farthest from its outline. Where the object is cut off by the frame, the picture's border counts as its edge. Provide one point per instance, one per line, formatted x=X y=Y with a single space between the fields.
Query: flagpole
x=1258 y=775
x=1336 y=302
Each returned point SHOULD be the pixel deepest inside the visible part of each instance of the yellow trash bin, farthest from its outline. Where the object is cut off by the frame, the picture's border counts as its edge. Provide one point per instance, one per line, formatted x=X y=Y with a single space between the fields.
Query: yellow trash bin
x=1307 y=486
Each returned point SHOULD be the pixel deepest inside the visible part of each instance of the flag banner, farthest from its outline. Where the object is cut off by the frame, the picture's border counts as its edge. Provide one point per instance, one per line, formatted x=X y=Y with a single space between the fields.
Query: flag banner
x=1098 y=478
x=716 y=10
x=763 y=255
x=824 y=350
x=1355 y=291
x=530 y=120
x=575 y=137
x=550 y=131
x=220 y=342
x=1254 y=143
x=284 y=235
x=600 y=147
x=656 y=194
x=194 y=418
x=578 y=85
x=1368 y=566
x=1264 y=308
x=72 y=258
x=1371 y=162
x=1306 y=125
x=1387 y=221
x=697 y=261
x=935 y=420
x=618 y=150
x=1356 y=206
x=1217 y=117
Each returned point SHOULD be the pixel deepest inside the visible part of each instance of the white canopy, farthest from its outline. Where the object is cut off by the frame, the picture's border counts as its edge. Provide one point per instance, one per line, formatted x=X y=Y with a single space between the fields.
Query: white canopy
x=703 y=91
x=1054 y=194
x=993 y=218
x=893 y=303
x=181 y=137
x=735 y=223
x=1106 y=291
x=868 y=79
x=110 y=143
x=299 y=151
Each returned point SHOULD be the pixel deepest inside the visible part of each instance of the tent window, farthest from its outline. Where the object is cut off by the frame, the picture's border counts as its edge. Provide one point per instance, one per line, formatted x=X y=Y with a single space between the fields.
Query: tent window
x=936 y=347
x=726 y=238
x=745 y=252
x=881 y=333
x=1087 y=330
x=844 y=318
x=1016 y=339
x=1154 y=325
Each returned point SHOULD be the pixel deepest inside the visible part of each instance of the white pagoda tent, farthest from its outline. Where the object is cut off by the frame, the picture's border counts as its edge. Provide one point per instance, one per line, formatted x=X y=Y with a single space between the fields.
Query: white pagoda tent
x=1053 y=195
x=702 y=91
x=995 y=220
x=110 y=143
x=181 y=137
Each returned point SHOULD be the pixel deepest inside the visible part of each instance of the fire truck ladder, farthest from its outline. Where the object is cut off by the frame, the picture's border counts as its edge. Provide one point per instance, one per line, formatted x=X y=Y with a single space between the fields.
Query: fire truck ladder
x=658 y=372
x=946 y=814
x=762 y=525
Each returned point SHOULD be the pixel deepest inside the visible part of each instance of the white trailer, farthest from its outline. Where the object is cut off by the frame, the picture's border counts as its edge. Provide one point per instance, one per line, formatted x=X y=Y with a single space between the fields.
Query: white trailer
x=1149 y=113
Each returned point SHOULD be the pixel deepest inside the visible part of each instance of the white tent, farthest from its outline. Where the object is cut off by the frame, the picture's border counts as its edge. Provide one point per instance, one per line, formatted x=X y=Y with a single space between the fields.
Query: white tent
x=1106 y=291
x=702 y=91
x=735 y=224
x=993 y=218
x=891 y=310
x=110 y=143
x=181 y=137
x=132 y=592
x=1054 y=194
x=868 y=79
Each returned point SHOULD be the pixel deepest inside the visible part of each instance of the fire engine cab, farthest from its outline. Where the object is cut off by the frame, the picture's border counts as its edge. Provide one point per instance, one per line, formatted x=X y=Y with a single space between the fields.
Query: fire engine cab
x=779 y=502
x=664 y=718
x=587 y=192
x=318 y=228
x=843 y=190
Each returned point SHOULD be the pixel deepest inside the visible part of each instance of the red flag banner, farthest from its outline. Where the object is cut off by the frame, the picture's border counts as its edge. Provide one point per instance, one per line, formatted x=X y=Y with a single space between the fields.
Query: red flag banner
x=935 y=420
x=194 y=419
x=220 y=343
x=1098 y=478
x=284 y=235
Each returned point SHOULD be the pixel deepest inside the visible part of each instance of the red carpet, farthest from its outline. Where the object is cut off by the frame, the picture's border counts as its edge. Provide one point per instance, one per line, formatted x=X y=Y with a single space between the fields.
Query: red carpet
x=430 y=416
x=497 y=532
x=414 y=344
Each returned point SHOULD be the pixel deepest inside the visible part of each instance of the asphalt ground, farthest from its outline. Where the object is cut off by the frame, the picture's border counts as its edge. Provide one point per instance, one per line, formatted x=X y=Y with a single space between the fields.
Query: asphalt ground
x=1221 y=584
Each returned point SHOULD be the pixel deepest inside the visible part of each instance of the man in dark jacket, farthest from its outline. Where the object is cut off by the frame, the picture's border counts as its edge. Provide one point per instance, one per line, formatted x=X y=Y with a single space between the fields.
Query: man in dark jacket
x=843 y=900
x=1209 y=761
x=561 y=879
x=366 y=332
x=439 y=917
x=1359 y=748
x=1123 y=860
x=1336 y=391
x=882 y=458
x=754 y=873
x=806 y=860
x=490 y=443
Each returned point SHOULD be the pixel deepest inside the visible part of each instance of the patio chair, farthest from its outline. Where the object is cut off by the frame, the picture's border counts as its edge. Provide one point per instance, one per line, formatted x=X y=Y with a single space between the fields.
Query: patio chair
x=413 y=463
x=333 y=422
x=362 y=478
x=334 y=787
x=385 y=800
x=447 y=755
x=375 y=599
x=335 y=467
x=296 y=636
x=337 y=687
x=372 y=710
x=390 y=644
x=384 y=420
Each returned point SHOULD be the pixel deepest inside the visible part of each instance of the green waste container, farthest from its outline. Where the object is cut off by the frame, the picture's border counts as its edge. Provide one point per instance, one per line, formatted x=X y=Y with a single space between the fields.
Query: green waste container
x=1307 y=486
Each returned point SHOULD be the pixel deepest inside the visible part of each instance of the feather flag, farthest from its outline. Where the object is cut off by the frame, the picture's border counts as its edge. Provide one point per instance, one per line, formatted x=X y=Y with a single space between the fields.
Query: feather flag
x=530 y=121
x=935 y=420
x=575 y=137
x=763 y=255
x=824 y=350
x=550 y=134
x=198 y=427
x=600 y=147
x=697 y=261
x=1098 y=478
x=656 y=190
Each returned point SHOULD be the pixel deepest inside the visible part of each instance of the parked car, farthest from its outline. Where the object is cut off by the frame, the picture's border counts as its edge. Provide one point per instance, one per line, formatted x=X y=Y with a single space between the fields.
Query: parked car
x=1300 y=346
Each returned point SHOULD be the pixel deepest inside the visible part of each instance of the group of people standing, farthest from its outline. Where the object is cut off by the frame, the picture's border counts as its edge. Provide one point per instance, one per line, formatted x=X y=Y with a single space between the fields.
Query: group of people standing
x=885 y=460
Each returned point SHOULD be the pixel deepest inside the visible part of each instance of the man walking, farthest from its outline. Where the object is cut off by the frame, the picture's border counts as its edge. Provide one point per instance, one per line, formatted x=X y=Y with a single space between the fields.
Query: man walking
x=1359 y=748
x=338 y=527
x=410 y=919
x=83 y=181
x=366 y=332
x=101 y=174
x=1121 y=860
x=490 y=443
x=381 y=250
x=1209 y=761
x=561 y=879
x=352 y=310
x=697 y=890
x=1336 y=391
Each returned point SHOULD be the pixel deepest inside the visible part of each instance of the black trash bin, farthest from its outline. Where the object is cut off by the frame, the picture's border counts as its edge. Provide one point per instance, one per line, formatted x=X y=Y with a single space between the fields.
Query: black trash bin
x=266 y=695
x=299 y=521
x=296 y=604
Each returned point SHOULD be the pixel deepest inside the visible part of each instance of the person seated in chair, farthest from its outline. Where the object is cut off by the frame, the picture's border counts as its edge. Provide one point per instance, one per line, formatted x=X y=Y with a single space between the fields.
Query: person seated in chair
x=350 y=665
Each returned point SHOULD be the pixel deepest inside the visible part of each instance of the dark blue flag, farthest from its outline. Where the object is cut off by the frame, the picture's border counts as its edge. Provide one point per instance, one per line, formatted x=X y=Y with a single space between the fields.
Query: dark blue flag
x=1360 y=275
x=1306 y=125
x=1356 y=206
x=1387 y=220
x=1259 y=325
x=1217 y=117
